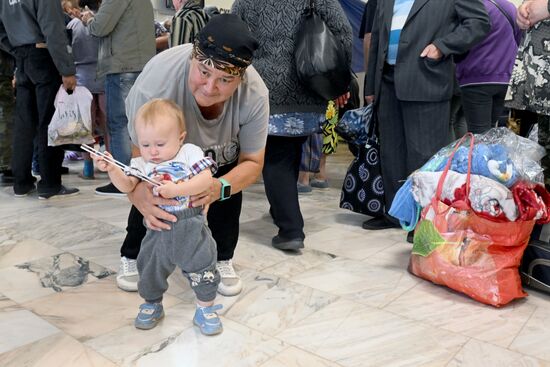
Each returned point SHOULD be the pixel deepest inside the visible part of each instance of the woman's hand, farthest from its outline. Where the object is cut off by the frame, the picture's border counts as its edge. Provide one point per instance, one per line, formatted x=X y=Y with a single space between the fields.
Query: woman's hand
x=147 y=204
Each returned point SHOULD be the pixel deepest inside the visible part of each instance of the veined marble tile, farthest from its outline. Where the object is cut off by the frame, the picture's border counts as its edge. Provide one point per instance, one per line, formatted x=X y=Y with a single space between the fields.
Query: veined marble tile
x=258 y=256
x=113 y=211
x=340 y=242
x=48 y=275
x=480 y=354
x=91 y=310
x=344 y=219
x=104 y=251
x=370 y=284
x=533 y=339
x=270 y=304
x=354 y=335
x=62 y=229
x=8 y=305
x=237 y=346
x=537 y=298
x=438 y=306
x=294 y=265
x=127 y=343
x=294 y=357
x=16 y=249
x=21 y=327
x=58 y=350
x=257 y=231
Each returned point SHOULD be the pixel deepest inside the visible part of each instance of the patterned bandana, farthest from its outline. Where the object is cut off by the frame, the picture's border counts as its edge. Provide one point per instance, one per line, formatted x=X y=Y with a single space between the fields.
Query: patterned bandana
x=221 y=65
x=226 y=44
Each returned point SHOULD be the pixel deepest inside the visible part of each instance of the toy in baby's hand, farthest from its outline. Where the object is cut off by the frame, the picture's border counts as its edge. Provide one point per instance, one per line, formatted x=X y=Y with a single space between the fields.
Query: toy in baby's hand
x=489 y=160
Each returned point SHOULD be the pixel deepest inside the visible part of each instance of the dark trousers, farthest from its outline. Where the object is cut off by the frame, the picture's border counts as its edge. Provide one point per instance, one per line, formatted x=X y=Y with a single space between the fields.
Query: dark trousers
x=37 y=84
x=223 y=221
x=7 y=103
x=410 y=134
x=280 y=174
x=483 y=104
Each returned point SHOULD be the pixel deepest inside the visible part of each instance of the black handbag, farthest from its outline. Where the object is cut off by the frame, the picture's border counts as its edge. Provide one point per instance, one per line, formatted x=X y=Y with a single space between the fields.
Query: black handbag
x=320 y=58
x=535 y=266
x=363 y=188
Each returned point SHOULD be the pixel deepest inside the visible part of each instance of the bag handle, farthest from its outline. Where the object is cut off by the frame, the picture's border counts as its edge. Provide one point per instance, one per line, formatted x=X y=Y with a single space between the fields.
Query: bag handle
x=448 y=166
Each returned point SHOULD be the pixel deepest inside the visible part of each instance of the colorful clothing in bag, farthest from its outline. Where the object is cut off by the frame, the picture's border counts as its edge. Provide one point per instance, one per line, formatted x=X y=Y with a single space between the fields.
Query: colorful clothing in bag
x=488 y=198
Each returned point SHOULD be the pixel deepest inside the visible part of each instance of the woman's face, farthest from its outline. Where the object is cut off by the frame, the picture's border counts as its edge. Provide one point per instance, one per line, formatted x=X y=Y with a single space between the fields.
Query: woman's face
x=209 y=85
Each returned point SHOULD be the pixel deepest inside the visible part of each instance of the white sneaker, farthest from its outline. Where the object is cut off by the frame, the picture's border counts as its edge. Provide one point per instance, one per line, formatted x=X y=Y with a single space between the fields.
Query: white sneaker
x=127 y=277
x=230 y=282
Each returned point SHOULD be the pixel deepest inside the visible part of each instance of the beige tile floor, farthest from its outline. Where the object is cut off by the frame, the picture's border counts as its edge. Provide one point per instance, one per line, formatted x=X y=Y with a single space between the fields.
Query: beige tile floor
x=346 y=301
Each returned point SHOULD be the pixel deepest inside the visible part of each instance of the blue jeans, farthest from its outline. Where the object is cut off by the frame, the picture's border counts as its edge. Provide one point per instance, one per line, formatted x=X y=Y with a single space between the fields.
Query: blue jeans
x=117 y=87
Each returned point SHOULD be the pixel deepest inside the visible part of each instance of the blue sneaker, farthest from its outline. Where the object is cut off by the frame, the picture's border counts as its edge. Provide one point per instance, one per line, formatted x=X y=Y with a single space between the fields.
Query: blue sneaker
x=207 y=320
x=149 y=316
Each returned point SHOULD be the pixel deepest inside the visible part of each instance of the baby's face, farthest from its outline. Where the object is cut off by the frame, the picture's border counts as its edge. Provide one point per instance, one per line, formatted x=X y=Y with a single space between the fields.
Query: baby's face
x=160 y=141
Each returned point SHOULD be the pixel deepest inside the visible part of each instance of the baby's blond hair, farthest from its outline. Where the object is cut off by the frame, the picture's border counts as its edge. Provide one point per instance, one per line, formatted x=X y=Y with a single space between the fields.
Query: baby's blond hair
x=150 y=111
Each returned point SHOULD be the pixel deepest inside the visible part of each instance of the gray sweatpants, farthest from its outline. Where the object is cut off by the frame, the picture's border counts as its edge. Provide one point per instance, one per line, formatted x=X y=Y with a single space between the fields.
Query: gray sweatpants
x=189 y=245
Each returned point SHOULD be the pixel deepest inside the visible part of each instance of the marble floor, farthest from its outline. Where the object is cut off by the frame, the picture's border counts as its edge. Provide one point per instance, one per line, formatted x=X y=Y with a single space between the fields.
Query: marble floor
x=347 y=300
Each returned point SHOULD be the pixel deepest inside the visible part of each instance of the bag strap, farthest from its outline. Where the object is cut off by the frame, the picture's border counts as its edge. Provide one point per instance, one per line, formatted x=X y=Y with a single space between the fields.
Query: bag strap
x=448 y=166
x=505 y=14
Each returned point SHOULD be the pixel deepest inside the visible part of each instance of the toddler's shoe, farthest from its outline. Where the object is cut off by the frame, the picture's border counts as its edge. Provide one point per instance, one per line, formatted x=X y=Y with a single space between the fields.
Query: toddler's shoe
x=149 y=316
x=208 y=320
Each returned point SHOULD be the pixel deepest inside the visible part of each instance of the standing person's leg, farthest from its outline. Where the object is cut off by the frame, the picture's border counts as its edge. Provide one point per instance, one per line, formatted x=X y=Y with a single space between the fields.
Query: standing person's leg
x=127 y=277
x=41 y=70
x=24 y=129
x=280 y=173
x=544 y=140
x=7 y=104
x=117 y=87
x=477 y=101
x=498 y=93
x=393 y=149
x=223 y=221
x=425 y=136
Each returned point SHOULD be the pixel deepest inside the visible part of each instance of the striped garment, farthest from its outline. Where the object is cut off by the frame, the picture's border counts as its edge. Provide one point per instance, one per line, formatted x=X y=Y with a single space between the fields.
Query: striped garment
x=187 y=23
x=401 y=10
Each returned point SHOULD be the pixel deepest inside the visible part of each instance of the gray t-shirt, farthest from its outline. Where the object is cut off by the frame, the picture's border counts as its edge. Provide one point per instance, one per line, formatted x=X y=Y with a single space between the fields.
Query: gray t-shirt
x=242 y=125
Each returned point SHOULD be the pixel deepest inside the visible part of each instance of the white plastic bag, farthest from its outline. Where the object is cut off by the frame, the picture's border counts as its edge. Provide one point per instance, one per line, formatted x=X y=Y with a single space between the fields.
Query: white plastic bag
x=72 y=120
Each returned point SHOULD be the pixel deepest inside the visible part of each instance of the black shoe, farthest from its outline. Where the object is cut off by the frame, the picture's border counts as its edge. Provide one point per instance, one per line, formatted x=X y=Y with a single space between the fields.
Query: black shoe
x=377 y=223
x=287 y=244
x=63 y=192
x=109 y=190
x=410 y=237
x=64 y=170
x=23 y=193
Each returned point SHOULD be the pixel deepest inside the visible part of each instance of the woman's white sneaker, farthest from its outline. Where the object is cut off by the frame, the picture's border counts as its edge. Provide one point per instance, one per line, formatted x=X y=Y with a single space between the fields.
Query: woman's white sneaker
x=127 y=277
x=230 y=282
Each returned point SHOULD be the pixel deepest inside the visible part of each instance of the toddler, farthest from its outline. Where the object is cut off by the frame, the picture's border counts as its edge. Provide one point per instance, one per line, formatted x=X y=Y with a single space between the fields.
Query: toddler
x=182 y=171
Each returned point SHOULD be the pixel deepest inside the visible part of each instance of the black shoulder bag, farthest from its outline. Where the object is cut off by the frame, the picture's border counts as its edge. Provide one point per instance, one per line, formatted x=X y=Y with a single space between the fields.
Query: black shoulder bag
x=320 y=59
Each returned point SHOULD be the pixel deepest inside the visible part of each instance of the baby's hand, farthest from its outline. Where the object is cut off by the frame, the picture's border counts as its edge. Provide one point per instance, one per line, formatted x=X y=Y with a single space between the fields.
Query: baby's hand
x=168 y=189
x=100 y=162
